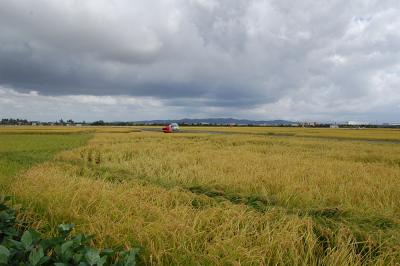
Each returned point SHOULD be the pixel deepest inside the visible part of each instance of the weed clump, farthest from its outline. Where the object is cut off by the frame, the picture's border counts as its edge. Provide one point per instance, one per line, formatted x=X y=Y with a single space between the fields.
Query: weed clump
x=28 y=247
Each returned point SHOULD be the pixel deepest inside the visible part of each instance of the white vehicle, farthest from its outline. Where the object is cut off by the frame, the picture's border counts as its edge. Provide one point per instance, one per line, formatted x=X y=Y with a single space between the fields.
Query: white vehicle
x=174 y=126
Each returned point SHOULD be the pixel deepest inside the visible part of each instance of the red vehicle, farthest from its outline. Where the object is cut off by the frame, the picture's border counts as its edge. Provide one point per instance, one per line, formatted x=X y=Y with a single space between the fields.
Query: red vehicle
x=167 y=129
x=171 y=128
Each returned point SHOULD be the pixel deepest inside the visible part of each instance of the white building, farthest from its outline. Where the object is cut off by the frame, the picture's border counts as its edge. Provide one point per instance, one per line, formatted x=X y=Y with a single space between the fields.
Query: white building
x=357 y=123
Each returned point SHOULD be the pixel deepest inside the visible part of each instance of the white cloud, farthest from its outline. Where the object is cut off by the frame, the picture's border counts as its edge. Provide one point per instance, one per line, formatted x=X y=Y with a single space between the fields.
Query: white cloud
x=78 y=107
x=91 y=99
x=338 y=59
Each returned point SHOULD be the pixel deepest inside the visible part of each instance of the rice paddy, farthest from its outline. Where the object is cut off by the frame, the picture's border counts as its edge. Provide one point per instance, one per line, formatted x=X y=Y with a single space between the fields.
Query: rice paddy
x=256 y=196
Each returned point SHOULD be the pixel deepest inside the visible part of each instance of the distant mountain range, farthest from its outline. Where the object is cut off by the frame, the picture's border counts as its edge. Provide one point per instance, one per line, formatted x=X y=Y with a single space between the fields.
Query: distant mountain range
x=217 y=121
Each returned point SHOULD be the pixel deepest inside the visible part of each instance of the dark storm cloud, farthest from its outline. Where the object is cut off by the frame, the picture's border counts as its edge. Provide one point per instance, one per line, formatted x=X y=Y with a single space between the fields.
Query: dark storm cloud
x=264 y=57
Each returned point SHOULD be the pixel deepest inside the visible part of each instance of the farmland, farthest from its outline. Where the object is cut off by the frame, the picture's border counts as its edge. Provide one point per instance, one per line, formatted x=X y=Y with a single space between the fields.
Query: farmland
x=253 y=196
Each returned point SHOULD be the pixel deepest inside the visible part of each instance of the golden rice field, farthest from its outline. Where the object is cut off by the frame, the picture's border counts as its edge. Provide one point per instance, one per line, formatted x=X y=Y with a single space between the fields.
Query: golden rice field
x=257 y=196
x=342 y=133
x=63 y=130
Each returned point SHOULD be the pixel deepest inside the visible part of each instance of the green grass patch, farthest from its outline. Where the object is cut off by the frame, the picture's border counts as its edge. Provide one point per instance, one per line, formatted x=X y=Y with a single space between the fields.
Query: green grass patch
x=19 y=152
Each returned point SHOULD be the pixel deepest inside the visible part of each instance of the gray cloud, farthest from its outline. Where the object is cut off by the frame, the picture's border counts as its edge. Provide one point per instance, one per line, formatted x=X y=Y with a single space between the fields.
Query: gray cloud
x=268 y=59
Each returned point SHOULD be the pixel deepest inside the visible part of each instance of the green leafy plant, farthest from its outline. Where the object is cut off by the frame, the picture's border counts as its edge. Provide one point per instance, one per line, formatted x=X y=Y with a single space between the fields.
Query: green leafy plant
x=30 y=248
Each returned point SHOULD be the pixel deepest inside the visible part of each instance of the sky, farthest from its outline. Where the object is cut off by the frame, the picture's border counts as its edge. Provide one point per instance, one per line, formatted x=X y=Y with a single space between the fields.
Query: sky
x=124 y=60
